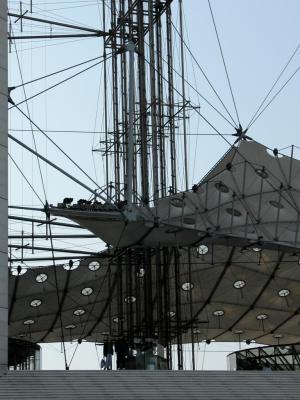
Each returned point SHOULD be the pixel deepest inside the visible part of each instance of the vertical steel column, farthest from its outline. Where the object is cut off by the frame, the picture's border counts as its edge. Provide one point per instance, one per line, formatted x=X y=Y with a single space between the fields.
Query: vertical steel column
x=153 y=104
x=178 y=310
x=124 y=88
x=130 y=145
x=143 y=103
x=115 y=94
x=139 y=282
x=148 y=294
x=160 y=312
x=167 y=258
x=171 y=99
x=3 y=188
x=105 y=100
x=191 y=309
x=160 y=109
x=129 y=295
x=120 y=297
x=183 y=97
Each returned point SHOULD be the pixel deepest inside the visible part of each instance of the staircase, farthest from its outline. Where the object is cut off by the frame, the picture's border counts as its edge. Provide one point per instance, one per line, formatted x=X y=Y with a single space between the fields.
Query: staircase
x=144 y=385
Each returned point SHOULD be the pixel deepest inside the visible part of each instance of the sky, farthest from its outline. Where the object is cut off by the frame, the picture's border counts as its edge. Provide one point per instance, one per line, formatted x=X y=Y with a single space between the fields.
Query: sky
x=258 y=37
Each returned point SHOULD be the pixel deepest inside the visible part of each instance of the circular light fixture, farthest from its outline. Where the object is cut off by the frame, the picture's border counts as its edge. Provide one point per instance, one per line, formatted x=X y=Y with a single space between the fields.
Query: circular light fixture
x=187 y=286
x=130 y=299
x=262 y=173
x=35 y=303
x=141 y=272
x=218 y=313
x=18 y=271
x=256 y=249
x=29 y=322
x=177 y=202
x=71 y=265
x=171 y=314
x=87 y=291
x=261 y=317
x=71 y=326
x=116 y=320
x=276 y=204
x=222 y=187
x=202 y=249
x=79 y=312
x=94 y=266
x=41 y=278
x=284 y=292
x=239 y=284
x=234 y=212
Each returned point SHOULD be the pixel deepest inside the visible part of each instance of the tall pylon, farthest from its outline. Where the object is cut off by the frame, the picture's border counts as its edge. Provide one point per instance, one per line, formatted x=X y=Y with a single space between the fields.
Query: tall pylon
x=3 y=188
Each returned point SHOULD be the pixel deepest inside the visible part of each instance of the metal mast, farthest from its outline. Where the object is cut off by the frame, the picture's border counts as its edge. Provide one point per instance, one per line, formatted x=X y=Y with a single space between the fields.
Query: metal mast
x=141 y=142
x=3 y=189
x=140 y=22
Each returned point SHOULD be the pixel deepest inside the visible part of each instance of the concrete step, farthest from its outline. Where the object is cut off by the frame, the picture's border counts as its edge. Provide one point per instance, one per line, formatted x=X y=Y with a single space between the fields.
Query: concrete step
x=146 y=385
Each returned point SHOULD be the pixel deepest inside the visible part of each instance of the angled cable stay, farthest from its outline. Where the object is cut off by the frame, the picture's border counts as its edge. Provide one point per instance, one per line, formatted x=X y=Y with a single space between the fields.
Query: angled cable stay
x=201 y=95
x=28 y=111
x=46 y=249
x=274 y=84
x=233 y=123
x=89 y=32
x=46 y=160
x=24 y=176
x=52 y=86
x=39 y=129
x=273 y=97
x=57 y=72
x=224 y=63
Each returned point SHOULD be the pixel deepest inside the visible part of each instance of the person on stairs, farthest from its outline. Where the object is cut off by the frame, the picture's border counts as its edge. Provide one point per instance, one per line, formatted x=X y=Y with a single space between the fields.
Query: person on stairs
x=108 y=352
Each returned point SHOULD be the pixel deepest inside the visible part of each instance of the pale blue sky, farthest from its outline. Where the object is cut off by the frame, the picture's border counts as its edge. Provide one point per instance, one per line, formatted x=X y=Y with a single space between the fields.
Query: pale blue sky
x=258 y=37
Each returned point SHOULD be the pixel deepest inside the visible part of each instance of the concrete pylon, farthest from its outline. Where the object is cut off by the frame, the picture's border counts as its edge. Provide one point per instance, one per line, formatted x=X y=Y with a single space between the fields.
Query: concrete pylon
x=3 y=188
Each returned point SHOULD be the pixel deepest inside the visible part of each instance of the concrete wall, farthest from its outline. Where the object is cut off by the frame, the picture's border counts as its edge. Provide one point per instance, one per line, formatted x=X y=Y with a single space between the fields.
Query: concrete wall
x=3 y=185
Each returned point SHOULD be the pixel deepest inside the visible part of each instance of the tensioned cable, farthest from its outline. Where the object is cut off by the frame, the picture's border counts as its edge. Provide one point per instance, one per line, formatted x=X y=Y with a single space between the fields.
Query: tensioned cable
x=59 y=83
x=27 y=106
x=206 y=78
x=21 y=172
x=210 y=124
x=99 y=290
x=274 y=84
x=46 y=160
x=55 y=272
x=57 y=42
x=59 y=148
x=274 y=97
x=58 y=72
x=90 y=313
x=224 y=63
x=58 y=298
x=101 y=132
x=196 y=110
x=197 y=91
x=44 y=13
